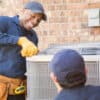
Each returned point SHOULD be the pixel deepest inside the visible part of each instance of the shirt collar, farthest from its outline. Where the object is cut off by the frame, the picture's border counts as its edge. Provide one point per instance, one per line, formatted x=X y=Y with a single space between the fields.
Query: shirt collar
x=16 y=19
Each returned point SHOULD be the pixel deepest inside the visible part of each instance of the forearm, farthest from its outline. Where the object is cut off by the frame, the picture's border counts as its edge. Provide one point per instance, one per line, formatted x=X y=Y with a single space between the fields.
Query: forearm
x=8 y=39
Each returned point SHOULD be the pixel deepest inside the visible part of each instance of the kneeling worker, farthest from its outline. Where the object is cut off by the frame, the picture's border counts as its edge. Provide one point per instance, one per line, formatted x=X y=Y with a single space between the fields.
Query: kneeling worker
x=69 y=76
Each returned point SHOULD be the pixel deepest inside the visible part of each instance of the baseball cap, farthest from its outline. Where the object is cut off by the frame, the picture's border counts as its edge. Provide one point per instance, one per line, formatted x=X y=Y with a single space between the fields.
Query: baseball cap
x=68 y=66
x=36 y=7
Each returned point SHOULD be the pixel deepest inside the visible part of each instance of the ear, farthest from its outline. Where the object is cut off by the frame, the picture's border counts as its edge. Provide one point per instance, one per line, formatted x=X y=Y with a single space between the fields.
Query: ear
x=21 y=11
x=86 y=70
x=53 y=77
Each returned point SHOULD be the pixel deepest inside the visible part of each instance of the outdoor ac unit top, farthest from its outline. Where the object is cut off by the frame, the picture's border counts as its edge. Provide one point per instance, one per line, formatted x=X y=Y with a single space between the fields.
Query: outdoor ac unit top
x=82 y=48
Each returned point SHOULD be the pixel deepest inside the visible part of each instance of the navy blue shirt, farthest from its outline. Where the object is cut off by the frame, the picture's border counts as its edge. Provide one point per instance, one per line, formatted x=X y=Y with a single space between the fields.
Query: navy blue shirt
x=81 y=93
x=12 y=64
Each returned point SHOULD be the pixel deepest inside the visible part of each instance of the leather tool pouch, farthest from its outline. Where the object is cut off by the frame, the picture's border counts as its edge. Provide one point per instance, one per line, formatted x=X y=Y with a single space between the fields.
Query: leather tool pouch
x=3 y=91
x=9 y=85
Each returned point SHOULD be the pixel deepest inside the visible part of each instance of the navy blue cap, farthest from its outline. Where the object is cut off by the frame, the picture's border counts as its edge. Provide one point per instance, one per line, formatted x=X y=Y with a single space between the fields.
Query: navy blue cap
x=36 y=7
x=65 y=62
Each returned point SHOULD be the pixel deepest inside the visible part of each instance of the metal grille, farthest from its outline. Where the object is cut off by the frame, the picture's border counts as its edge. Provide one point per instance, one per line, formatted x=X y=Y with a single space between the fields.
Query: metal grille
x=92 y=72
x=40 y=86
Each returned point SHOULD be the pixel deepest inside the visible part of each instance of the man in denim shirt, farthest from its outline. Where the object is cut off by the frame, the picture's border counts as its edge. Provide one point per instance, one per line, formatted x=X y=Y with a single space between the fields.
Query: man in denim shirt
x=17 y=41
x=69 y=76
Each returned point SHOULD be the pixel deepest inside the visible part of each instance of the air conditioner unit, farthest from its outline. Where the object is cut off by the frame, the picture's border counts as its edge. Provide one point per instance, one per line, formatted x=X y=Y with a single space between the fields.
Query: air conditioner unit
x=39 y=84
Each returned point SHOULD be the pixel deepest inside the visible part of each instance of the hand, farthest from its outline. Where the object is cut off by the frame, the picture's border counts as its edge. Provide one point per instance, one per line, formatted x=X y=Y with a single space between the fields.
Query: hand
x=28 y=47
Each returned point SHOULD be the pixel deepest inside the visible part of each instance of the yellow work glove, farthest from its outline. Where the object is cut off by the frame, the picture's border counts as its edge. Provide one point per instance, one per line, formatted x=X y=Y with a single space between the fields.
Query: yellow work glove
x=28 y=47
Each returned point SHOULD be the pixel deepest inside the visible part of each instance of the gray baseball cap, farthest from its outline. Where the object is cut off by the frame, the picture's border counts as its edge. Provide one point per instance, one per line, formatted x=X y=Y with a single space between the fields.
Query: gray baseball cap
x=69 y=67
x=36 y=7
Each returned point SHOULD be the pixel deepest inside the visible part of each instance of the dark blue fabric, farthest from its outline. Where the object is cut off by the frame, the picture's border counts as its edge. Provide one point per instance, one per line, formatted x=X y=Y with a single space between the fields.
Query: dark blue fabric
x=12 y=64
x=16 y=97
x=82 y=93
x=67 y=61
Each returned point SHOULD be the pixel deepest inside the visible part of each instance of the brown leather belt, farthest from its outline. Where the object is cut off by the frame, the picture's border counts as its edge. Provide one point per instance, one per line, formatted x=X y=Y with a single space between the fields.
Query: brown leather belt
x=8 y=86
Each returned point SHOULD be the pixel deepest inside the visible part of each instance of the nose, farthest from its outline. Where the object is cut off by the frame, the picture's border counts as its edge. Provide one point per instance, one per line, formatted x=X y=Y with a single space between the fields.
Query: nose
x=33 y=22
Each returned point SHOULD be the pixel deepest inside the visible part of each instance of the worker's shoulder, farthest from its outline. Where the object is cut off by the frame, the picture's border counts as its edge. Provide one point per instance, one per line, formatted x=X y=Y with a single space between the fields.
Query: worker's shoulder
x=94 y=93
x=5 y=17
x=92 y=89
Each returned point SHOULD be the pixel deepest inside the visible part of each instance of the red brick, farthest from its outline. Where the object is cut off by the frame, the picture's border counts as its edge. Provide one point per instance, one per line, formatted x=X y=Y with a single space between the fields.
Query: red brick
x=97 y=38
x=52 y=1
x=46 y=1
x=59 y=13
x=58 y=20
x=95 y=31
x=57 y=1
x=64 y=27
x=77 y=6
x=75 y=12
x=61 y=7
x=69 y=39
x=74 y=25
x=94 y=5
x=75 y=19
x=76 y=1
x=93 y=1
x=51 y=7
x=84 y=39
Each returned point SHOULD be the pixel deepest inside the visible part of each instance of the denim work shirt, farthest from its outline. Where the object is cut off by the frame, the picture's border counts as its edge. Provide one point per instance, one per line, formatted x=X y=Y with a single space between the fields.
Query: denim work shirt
x=12 y=64
x=88 y=92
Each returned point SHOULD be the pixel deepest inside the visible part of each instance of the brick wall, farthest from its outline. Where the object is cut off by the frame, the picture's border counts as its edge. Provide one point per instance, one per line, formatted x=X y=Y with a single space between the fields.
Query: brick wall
x=67 y=21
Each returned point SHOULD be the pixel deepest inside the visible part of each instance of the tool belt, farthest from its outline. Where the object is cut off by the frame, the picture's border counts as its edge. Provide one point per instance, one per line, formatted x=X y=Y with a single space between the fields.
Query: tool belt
x=10 y=86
